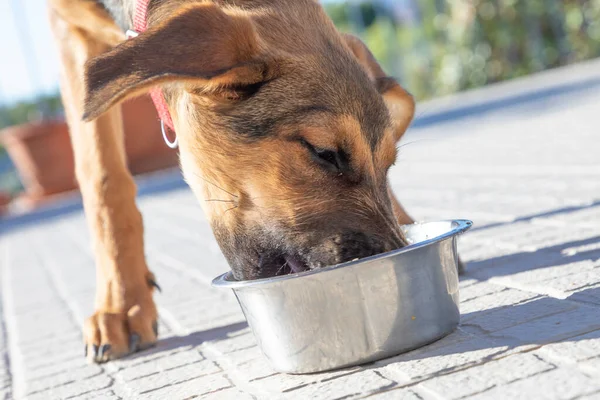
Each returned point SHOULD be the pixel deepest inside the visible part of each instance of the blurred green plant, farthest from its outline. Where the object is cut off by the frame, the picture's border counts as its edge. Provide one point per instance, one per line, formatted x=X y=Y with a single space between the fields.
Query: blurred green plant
x=43 y=107
x=439 y=47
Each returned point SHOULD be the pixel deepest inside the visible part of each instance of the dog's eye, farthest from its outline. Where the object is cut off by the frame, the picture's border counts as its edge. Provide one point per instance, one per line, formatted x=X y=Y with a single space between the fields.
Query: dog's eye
x=327 y=158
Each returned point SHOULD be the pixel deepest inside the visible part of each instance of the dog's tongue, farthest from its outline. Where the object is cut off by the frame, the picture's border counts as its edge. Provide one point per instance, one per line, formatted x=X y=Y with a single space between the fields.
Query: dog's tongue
x=295 y=264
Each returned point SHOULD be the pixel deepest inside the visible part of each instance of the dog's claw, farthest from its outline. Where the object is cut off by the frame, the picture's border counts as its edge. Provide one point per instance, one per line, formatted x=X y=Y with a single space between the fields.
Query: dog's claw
x=152 y=282
x=155 y=328
x=134 y=341
x=104 y=349
x=85 y=350
x=114 y=335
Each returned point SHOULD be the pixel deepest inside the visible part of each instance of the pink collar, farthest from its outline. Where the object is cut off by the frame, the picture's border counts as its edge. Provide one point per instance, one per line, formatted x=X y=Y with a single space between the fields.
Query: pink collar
x=139 y=26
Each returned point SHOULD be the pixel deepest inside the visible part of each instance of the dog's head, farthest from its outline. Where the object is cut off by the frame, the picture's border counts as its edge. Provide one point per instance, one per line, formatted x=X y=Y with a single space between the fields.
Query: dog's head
x=286 y=128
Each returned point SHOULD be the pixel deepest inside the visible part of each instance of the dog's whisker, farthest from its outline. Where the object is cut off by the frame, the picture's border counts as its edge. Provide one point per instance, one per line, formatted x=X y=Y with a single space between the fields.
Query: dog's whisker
x=272 y=198
x=401 y=146
x=281 y=268
x=220 y=200
x=421 y=113
x=215 y=185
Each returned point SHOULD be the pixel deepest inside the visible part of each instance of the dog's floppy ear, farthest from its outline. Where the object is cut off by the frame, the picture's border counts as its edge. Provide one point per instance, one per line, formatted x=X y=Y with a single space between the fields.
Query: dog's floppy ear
x=399 y=102
x=201 y=43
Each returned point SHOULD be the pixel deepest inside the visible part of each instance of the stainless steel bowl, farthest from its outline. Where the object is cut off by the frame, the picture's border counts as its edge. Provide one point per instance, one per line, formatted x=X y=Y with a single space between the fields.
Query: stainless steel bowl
x=360 y=311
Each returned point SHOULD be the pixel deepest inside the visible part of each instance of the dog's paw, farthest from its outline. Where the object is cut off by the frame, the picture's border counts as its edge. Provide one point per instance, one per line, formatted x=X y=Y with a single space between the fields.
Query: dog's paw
x=110 y=335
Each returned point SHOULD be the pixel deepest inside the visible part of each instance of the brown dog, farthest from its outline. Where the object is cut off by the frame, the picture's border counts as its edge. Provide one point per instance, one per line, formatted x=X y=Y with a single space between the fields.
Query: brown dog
x=286 y=127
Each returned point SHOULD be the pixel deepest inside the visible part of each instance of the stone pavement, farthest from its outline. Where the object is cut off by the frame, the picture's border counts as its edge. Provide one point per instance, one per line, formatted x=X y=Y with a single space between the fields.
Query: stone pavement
x=520 y=159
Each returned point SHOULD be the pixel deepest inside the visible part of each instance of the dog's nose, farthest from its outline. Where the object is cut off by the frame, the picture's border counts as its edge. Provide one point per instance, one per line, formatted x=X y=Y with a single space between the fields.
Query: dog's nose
x=348 y=246
x=353 y=245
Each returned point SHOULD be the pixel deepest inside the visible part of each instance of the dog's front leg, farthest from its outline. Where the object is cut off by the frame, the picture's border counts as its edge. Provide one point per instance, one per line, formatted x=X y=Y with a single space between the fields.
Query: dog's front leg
x=125 y=317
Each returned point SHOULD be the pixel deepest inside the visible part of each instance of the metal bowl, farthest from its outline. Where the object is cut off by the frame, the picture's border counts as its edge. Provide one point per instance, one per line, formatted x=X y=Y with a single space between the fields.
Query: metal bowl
x=360 y=311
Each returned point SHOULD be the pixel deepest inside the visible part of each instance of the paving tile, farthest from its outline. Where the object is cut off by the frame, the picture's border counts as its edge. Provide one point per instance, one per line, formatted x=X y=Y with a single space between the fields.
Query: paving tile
x=496 y=373
x=556 y=384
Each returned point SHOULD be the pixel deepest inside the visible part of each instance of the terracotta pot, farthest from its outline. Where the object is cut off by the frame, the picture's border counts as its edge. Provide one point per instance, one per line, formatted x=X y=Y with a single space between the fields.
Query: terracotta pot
x=43 y=155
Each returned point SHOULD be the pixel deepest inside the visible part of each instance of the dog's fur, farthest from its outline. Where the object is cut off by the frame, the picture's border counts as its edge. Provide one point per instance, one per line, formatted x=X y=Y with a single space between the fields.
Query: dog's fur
x=287 y=129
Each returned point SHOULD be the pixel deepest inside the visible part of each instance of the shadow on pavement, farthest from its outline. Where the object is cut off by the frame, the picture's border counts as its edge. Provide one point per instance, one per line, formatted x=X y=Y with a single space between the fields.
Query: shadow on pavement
x=500 y=330
x=192 y=340
x=552 y=256
x=543 y=214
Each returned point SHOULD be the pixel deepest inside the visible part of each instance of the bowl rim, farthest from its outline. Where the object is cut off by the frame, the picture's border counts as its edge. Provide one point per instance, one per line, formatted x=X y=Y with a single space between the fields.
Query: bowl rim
x=462 y=225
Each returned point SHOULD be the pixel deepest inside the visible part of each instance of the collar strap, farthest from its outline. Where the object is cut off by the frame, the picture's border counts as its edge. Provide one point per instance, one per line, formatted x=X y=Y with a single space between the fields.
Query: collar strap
x=139 y=25
x=140 y=17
